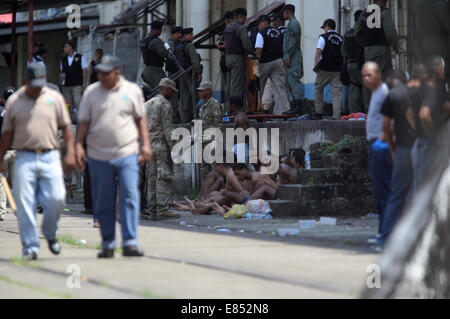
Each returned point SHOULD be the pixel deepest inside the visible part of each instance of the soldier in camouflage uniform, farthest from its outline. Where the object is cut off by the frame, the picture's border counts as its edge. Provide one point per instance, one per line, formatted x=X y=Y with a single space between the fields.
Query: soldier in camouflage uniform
x=211 y=116
x=159 y=169
x=293 y=59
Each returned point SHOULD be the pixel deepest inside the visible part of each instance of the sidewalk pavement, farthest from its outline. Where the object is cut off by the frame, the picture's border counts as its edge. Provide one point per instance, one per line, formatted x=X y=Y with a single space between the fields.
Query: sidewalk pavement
x=189 y=258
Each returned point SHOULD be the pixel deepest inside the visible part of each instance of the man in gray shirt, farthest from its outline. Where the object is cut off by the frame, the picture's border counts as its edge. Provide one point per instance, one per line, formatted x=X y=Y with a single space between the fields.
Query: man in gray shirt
x=379 y=153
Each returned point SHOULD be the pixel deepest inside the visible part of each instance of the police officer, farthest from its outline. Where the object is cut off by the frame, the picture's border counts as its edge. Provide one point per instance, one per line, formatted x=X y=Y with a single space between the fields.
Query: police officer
x=293 y=60
x=237 y=47
x=211 y=116
x=175 y=38
x=154 y=54
x=159 y=169
x=377 y=42
x=269 y=51
x=188 y=57
x=353 y=54
x=328 y=66
x=228 y=18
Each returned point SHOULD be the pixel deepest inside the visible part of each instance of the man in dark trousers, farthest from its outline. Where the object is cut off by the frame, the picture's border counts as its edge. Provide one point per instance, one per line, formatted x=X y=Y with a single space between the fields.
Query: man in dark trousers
x=398 y=108
x=377 y=42
x=328 y=66
x=74 y=77
x=154 y=54
x=176 y=36
x=269 y=51
x=353 y=54
x=188 y=57
x=92 y=70
x=237 y=47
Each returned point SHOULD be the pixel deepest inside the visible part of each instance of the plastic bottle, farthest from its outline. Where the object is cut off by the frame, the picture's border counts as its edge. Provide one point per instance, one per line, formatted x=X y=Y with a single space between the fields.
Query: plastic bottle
x=307 y=161
x=258 y=216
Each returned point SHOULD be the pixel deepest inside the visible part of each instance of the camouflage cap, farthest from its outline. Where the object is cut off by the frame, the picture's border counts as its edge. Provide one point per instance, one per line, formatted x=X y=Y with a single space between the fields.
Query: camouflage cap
x=205 y=86
x=168 y=83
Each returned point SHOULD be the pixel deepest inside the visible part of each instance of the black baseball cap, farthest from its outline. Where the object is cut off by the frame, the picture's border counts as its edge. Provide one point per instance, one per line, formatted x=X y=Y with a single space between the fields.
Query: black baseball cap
x=229 y=15
x=176 y=30
x=329 y=23
x=156 y=25
x=187 y=31
x=264 y=17
x=36 y=74
x=108 y=64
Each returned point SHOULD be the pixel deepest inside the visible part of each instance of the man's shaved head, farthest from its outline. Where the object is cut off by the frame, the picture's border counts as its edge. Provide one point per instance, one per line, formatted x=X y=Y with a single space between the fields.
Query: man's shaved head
x=372 y=75
x=371 y=66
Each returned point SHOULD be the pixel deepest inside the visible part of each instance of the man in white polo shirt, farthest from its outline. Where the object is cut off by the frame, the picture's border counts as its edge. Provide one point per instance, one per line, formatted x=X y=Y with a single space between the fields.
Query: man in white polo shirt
x=112 y=117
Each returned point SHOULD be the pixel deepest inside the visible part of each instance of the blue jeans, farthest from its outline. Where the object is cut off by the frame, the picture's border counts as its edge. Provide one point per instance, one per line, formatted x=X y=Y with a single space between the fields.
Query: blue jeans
x=402 y=181
x=381 y=174
x=38 y=178
x=103 y=183
x=422 y=158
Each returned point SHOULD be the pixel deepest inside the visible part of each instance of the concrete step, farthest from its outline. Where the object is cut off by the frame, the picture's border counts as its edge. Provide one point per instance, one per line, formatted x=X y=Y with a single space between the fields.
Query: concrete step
x=340 y=207
x=335 y=160
x=305 y=193
x=351 y=175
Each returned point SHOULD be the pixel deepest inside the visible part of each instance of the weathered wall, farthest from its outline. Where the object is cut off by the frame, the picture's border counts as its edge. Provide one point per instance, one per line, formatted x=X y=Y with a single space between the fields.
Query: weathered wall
x=126 y=50
x=292 y=135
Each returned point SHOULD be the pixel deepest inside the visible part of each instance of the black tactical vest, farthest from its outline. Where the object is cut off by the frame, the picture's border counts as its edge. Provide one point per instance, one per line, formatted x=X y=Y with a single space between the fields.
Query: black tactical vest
x=93 y=78
x=151 y=58
x=355 y=52
x=182 y=57
x=232 y=42
x=273 y=45
x=331 y=56
x=373 y=36
x=74 y=73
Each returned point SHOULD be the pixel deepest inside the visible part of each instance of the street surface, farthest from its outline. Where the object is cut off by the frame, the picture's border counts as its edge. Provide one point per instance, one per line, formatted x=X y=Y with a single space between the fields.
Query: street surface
x=194 y=257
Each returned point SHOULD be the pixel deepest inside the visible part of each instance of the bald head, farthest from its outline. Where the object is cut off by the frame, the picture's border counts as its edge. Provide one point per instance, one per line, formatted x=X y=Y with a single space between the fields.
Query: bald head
x=373 y=66
x=372 y=76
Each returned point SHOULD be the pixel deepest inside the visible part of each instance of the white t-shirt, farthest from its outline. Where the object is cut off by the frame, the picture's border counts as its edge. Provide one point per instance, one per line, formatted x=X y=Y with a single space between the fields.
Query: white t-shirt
x=84 y=65
x=259 y=44
x=321 y=43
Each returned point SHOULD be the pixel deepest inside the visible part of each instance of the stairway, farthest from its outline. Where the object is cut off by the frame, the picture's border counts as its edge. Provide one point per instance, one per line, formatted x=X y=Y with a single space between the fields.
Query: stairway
x=338 y=185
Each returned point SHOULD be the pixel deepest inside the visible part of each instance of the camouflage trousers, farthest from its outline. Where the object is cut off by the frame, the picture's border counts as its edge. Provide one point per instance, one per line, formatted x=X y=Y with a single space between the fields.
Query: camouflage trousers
x=159 y=183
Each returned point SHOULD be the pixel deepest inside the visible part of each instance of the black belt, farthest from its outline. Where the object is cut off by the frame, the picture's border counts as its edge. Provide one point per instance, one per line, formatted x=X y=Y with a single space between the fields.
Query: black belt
x=38 y=151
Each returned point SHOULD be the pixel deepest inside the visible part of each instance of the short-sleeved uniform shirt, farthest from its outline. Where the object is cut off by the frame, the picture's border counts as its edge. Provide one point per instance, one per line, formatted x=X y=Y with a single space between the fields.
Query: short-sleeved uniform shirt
x=35 y=123
x=396 y=106
x=112 y=116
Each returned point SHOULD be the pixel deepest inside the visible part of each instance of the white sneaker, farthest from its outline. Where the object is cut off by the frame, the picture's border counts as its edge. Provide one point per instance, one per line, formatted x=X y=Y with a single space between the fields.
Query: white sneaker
x=372 y=240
